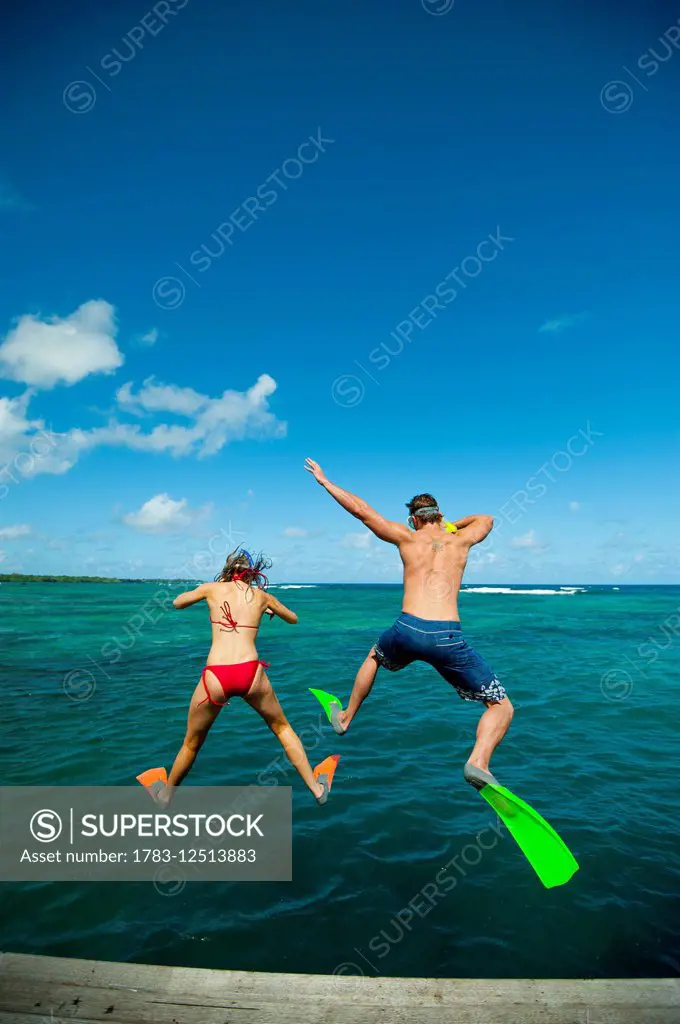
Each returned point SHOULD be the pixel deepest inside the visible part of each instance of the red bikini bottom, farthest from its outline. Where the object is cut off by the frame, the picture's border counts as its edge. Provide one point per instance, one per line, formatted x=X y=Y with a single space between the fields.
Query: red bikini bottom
x=235 y=680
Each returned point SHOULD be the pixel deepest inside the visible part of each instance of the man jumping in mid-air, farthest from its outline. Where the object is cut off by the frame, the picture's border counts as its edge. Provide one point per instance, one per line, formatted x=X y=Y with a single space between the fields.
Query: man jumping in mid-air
x=434 y=557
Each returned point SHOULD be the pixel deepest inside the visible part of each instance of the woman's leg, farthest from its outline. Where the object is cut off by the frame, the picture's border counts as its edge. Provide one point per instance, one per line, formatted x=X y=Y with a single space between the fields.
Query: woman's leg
x=262 y=697
x=201 y=717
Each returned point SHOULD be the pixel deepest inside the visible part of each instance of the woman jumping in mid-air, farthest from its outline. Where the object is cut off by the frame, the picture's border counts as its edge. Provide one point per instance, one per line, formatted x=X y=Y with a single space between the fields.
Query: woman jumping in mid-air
x=237 y=600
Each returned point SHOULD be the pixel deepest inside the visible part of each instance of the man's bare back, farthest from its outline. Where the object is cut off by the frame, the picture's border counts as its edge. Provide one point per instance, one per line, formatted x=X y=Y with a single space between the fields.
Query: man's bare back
x=434 y=563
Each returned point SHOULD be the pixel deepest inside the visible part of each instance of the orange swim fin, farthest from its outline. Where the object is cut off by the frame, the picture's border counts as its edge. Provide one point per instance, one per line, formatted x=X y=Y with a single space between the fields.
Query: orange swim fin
x=327 y=768
x=153 y=775
x=324 y=773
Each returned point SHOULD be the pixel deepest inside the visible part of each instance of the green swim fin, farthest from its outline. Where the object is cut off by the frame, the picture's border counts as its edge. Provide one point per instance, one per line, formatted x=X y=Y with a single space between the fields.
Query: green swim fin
x=327 y=700
x=549 y=856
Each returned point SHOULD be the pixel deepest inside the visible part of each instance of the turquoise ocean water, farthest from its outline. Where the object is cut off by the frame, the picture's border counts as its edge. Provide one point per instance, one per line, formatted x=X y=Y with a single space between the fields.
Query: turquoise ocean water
x=90 y=697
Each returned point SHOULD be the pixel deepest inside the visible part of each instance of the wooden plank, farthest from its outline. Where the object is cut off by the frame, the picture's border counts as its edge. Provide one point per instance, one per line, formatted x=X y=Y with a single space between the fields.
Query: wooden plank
x=357 y=1015
x=47 y=990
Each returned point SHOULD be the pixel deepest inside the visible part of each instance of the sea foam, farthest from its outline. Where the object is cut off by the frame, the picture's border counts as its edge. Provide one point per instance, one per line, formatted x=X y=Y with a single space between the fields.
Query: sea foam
x=512 y=590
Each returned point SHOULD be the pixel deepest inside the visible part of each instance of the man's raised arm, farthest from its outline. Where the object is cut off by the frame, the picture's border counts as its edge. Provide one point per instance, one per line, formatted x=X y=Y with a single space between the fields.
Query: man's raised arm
x=383 y=528
x=475 y=528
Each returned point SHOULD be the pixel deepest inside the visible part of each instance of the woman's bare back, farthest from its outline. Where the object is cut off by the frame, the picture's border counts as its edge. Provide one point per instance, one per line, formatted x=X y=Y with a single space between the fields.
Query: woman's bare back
x=236 y=611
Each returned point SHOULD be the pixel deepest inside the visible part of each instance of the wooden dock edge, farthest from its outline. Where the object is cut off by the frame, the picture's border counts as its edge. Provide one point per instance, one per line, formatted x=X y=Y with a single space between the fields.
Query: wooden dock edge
x=55 y=990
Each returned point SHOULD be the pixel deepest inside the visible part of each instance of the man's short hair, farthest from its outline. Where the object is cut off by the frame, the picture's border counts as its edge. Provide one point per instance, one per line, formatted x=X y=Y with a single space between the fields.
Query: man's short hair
x=424 y=501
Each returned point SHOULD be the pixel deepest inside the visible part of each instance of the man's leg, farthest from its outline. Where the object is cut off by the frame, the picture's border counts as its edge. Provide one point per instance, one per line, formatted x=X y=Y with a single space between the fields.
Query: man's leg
x=362 y=687
x=474 y=680
x=491 y=729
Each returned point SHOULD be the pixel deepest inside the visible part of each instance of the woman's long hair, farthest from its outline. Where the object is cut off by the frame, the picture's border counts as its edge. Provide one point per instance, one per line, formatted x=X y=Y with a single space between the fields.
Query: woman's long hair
x=241 y=566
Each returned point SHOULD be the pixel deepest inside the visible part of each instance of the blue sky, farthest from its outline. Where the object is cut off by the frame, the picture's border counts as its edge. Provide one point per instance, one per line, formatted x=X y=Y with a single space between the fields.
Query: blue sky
x=236 y=235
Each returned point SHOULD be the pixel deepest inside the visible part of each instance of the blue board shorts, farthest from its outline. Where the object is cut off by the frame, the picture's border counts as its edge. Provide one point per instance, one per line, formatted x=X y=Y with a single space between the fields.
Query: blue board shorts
x=442 y=645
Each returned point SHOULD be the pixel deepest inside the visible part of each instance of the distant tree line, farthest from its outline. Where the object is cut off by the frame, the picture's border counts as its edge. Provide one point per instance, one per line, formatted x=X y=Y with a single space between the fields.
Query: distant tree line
x=19 y=577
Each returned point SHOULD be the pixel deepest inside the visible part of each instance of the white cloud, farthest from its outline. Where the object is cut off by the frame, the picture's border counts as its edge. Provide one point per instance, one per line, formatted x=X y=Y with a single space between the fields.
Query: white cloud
x=151 y=337
x=561 y=323
x=47 y=352
x=574 y=506
x=294 y=531
x=10 y=532
x=481 y=559
x=14 y=426
x=216 y=421
x=160 y=514
x=26 y=446
x=213 y=423
x=528 y=540
x=153 y=397
x=358 y=541
x=44 y=353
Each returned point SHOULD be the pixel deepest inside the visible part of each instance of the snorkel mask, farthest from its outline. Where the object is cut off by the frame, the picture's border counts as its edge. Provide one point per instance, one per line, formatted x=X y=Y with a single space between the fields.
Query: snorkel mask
x=449 y=527
x=426 y=510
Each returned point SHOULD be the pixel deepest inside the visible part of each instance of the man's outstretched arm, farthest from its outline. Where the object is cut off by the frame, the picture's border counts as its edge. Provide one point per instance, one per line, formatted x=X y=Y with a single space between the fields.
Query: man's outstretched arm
x=383 y=528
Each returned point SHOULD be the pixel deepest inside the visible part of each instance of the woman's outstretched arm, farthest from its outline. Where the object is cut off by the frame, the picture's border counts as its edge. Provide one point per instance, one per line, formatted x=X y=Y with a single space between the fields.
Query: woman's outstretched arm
x=274 y=607
x=192 y=596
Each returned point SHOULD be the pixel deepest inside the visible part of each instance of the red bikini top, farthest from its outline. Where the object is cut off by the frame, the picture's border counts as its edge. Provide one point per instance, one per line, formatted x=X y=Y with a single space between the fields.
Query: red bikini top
x=230 y=622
